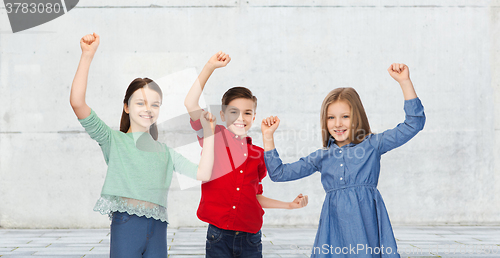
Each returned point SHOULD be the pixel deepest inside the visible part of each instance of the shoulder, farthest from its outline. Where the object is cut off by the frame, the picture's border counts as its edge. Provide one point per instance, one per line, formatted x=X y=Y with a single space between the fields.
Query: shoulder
x=164 y=145
x=257 y=148
x=317 y=156
x=219 y=128
x=321 y=150
x=370 y=141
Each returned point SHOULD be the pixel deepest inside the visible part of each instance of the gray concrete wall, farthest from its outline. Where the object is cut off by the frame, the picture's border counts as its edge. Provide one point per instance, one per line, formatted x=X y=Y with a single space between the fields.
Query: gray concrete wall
x=291 y=54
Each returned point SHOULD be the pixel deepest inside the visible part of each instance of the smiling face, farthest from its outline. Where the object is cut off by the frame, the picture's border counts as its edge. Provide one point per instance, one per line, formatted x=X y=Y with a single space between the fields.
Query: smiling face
x=143 y=109
x=339 y=122
x=239 y=116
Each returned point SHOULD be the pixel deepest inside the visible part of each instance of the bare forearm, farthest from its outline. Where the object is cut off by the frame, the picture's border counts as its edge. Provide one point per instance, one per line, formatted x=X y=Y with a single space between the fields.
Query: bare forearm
x=408 y=90
x=269 y=203
x=79 y=87
x=268 y=141
x=207 y=157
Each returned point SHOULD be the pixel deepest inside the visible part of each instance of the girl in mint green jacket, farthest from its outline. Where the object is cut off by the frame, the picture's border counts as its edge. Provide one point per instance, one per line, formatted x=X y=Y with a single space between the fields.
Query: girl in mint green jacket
x=140 y=169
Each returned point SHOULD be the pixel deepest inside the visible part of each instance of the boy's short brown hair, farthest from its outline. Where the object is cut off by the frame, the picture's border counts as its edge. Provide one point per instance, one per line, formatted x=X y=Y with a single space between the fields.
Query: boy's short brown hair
x=237 y=93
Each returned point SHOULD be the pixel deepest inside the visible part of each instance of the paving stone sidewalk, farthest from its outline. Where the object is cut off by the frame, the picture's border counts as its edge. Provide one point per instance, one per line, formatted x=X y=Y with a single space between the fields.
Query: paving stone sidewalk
x=413 y=241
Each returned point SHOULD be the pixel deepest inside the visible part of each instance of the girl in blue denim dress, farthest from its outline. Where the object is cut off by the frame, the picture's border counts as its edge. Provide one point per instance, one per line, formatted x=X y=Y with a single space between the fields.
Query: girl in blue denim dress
x=354 y=221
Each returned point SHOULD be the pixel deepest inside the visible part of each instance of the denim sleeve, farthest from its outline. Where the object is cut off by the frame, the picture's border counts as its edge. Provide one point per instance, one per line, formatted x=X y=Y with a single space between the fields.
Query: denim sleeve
x=414 y=122
x=182 y=165
x=279 y=172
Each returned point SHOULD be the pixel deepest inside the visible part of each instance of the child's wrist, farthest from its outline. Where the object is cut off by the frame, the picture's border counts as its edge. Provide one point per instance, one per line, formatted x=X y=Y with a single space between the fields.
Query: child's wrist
x=207 y=131
x=404 y=82
x=87 y=56
x=209 y=66
x=269 y=136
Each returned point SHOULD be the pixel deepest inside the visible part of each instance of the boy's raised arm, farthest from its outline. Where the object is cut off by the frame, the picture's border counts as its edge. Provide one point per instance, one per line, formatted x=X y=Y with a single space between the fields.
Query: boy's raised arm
x=191 y=102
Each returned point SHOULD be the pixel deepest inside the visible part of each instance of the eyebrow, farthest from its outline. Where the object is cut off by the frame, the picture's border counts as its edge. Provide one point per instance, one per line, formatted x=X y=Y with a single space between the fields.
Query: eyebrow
x=153 y=102
x=329 y=114
x=234 y=108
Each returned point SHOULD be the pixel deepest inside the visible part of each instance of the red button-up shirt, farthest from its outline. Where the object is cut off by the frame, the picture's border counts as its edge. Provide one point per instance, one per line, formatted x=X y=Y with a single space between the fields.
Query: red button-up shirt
x=229 y=200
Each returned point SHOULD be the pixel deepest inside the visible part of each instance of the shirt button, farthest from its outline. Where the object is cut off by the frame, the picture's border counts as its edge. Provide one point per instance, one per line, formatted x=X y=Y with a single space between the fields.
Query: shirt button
x=234 y=207
x=340 y=151
x=341 y=178
x=236 y=136
x=237 y=189
x=241 y=171
x=244 y=154
x=241 y=143
x=341 y=165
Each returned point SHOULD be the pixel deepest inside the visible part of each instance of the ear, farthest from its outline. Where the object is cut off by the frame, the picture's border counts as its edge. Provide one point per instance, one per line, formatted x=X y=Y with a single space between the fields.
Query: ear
x=254 y=116
x=222 y=116
x=125 y=107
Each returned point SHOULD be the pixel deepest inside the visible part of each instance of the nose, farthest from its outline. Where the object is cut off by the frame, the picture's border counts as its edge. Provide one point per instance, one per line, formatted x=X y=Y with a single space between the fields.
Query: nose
x=338 y=123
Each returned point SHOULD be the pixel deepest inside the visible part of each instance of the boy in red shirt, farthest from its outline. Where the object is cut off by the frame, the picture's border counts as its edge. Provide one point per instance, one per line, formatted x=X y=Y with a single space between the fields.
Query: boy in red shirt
x=232 y=201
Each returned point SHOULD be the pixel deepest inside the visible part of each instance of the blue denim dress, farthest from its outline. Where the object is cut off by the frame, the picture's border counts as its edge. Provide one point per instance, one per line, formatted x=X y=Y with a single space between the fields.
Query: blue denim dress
x=354 y=221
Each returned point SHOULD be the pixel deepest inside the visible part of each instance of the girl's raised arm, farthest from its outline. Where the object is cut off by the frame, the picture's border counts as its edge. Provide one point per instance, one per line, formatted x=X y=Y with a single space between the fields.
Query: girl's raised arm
x=206 y=165
x=277 y=171
x=268 y=127
x=401 y=73
x=89 y=44
x=414 y=119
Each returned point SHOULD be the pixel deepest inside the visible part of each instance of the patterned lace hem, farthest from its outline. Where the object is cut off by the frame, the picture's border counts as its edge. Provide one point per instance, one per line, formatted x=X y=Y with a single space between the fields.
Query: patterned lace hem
x=108 y=204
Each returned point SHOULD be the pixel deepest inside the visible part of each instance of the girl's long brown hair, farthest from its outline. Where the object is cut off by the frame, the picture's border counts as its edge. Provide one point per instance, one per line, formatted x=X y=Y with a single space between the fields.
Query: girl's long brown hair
x=137 y=84
x=360 y=127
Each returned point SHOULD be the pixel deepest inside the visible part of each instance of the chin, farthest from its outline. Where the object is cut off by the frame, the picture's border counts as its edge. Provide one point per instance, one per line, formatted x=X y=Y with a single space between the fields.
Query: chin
x=340 y=139
x=238 y=131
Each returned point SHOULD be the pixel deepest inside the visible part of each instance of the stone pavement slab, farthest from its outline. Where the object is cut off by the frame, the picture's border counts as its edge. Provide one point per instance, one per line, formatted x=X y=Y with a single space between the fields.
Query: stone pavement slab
x=413 y=241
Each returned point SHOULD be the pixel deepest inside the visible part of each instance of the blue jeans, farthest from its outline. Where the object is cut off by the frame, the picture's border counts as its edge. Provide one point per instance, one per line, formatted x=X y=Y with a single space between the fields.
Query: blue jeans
x=223 y=243
x=137 y=237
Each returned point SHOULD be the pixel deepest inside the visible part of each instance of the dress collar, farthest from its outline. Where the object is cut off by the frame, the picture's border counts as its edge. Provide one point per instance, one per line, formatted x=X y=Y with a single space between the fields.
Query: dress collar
x=331 y=142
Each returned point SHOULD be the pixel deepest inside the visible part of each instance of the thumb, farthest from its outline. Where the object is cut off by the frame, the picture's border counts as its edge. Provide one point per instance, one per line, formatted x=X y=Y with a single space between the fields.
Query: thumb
x=97 y=38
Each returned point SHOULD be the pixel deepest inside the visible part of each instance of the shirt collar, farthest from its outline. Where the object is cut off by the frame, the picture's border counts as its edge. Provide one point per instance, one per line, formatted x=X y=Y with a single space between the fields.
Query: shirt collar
x=331 y=142
x=237 y=137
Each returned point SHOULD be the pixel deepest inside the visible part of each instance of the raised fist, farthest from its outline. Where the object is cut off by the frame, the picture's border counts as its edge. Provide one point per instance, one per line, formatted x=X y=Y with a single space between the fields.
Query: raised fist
x=89 y=43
